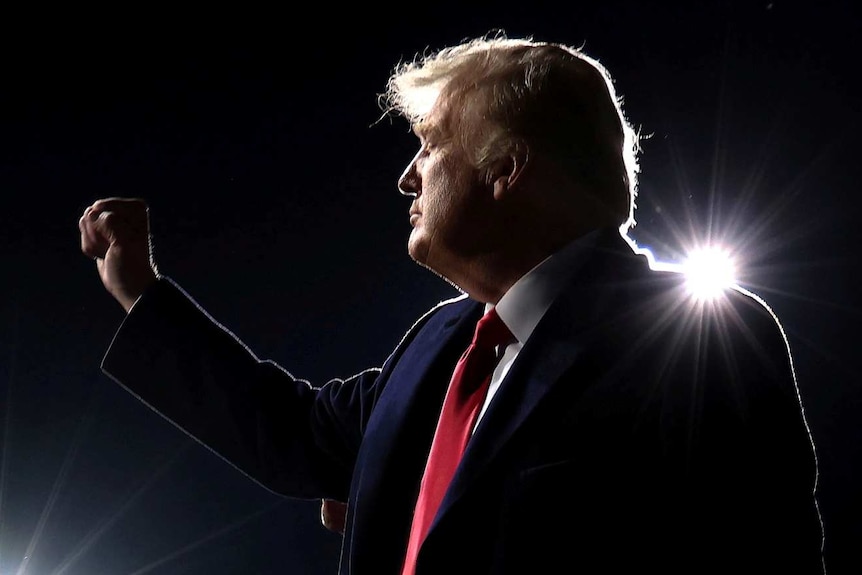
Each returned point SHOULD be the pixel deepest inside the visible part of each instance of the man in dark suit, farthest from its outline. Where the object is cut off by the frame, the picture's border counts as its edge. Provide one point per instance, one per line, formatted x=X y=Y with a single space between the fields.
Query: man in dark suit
x=626 y=425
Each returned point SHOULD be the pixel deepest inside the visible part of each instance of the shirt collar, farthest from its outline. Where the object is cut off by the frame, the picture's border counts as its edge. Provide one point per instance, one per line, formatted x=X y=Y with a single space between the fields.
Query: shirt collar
x=525 y=303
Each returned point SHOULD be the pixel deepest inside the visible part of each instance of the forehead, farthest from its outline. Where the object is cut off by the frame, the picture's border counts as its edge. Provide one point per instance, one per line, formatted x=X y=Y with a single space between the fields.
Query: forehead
x=426 y=121
x=440 y=122
x=427 y=129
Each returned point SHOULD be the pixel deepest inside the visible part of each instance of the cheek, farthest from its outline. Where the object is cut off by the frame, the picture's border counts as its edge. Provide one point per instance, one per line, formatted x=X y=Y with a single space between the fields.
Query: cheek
x=437 y=205
x=437 y=193
x=450 y=190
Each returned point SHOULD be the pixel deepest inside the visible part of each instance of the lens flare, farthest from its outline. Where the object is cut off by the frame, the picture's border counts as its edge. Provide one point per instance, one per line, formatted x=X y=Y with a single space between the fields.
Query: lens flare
x=709 y=272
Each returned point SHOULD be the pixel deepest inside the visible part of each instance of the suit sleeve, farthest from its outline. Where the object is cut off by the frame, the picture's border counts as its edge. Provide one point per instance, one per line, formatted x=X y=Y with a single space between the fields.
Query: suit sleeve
x=757 y=466
x=289 y=436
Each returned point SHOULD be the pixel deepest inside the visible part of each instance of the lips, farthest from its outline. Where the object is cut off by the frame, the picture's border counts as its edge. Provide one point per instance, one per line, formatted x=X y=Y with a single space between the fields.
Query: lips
x=414 y=217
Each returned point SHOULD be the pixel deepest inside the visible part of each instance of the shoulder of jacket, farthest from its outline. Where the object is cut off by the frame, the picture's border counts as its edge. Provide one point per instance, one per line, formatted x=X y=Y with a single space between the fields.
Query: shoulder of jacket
x=447 y=306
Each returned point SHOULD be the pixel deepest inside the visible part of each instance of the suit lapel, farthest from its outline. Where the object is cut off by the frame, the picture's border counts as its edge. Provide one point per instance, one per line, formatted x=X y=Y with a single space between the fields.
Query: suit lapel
x=415 y=378
x=554 y=348
x=389 y=464
x=540 y=365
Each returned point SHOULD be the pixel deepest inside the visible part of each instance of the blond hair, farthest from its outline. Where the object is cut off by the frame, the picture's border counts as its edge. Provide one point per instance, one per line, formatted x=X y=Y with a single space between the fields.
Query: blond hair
x=552 y=96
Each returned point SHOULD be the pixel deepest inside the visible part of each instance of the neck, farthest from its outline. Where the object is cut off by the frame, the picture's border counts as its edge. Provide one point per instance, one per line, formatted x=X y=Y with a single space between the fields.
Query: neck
x=486 y=278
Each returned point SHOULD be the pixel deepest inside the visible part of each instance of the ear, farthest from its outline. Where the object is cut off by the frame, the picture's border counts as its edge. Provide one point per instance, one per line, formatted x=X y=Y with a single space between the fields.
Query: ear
x=507 y=171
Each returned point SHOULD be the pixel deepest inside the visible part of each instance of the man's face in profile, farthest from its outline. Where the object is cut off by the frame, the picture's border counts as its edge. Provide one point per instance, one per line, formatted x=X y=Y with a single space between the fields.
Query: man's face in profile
x=450 y=197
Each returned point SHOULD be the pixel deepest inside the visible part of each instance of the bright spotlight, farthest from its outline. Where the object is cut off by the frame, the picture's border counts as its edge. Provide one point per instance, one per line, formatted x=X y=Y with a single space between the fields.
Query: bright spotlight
x=708 y=273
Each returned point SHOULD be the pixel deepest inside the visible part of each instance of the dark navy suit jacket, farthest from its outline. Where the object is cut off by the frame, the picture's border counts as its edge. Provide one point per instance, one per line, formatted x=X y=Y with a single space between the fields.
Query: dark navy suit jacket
x=637 y=430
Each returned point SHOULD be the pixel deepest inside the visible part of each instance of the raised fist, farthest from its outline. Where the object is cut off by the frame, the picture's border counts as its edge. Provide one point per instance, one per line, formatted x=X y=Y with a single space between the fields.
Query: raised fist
x=115 y=232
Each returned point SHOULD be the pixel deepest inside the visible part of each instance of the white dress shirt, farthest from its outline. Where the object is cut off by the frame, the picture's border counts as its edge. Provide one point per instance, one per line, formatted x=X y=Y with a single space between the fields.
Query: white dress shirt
x=523 y=306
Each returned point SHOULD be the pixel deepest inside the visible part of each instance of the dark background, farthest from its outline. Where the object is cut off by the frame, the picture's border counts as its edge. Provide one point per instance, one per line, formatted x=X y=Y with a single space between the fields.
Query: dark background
x=253 y=137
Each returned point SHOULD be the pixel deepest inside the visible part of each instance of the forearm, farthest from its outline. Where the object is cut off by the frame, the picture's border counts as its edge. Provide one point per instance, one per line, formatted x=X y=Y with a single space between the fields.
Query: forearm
x=184 y=365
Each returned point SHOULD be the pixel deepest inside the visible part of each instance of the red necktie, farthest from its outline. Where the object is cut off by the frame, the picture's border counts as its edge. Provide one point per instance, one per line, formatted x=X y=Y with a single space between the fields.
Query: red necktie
x=464 y=398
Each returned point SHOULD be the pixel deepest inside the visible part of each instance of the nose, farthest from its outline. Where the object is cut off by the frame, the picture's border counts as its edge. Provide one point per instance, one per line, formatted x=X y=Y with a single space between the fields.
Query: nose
x=409 y=182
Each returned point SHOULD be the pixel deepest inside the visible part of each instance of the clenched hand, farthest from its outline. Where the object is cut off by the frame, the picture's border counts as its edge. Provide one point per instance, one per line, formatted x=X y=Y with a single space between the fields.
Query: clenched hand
x=115 y=232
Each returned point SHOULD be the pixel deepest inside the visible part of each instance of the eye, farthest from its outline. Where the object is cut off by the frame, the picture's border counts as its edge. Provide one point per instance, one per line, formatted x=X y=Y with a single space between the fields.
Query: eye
x=425 y=149
x=433 y=144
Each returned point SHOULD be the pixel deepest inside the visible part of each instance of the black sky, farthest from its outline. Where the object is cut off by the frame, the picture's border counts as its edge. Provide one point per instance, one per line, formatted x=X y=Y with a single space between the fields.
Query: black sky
x=273 y=201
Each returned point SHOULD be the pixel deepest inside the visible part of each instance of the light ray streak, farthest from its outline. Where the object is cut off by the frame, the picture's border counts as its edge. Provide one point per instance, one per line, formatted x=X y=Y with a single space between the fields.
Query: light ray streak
x=761 y=227
x=7 y=425
x=726 y=316
x=83 y=425
x=690 y=220
x=105 y=524
x=719 y=153
x=695 y=329
x=833 y=305
x=205 y=539
x=851 y=371
x=769 y=148
x=657 y=329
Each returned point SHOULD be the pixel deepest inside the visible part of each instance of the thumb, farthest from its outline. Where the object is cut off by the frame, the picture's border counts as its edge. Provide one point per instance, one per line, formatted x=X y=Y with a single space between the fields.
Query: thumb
x=94 y=243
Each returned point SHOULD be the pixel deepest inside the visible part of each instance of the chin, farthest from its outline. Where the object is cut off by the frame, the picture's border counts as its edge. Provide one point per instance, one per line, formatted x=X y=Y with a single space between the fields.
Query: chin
x=417 y=247
x=416 y=254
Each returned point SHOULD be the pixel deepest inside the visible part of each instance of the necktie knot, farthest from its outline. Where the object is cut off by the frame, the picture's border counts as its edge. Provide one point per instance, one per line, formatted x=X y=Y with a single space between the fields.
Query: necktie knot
x=491 y=331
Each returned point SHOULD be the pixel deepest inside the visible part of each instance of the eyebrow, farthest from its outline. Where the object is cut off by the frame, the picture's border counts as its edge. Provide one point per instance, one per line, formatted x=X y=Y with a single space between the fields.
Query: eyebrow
x=427 y=130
